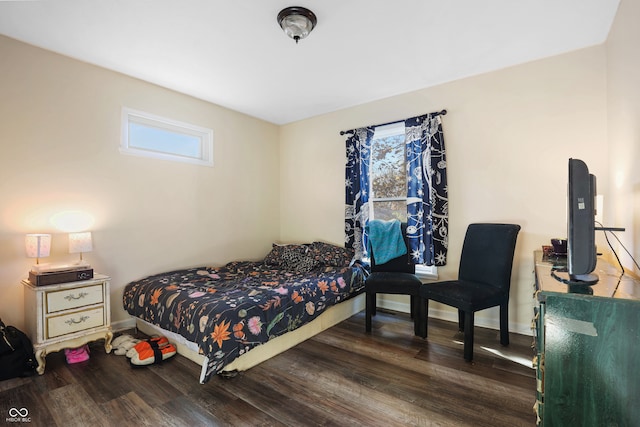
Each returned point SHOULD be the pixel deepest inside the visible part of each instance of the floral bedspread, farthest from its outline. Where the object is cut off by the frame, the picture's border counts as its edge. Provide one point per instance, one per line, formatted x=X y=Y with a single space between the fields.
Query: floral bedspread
x=229 y=310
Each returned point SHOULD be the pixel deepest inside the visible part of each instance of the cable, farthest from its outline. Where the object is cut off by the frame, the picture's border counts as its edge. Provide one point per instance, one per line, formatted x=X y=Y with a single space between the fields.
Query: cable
x=623 y=247
x=616 y=255
x=611 y=247
x=573 y=284
x=558 y=278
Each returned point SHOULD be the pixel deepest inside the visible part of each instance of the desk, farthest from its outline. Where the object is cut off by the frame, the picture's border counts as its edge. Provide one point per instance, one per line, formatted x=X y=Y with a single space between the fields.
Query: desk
x=587 y=342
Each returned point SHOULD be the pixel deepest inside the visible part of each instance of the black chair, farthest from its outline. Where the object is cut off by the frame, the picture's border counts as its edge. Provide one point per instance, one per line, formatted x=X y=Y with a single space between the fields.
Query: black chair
x=396 y=276
x=484 y=279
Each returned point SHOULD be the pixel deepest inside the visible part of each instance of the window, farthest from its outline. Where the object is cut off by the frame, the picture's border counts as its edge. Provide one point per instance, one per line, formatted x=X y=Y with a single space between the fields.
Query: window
x=147 y=135
x=388 y=180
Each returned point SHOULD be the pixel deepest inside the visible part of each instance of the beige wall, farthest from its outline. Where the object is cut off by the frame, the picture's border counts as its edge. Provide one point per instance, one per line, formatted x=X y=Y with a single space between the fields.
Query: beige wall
x=623 y=109
x=508 y=135
x=59 y=139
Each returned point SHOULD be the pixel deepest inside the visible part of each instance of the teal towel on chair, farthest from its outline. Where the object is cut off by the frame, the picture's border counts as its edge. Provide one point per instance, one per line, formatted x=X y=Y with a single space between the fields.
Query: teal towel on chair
x=385 y=239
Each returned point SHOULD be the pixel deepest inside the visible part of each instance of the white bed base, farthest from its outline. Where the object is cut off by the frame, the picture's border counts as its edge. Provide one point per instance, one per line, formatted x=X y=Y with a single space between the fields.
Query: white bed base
x=331 y=316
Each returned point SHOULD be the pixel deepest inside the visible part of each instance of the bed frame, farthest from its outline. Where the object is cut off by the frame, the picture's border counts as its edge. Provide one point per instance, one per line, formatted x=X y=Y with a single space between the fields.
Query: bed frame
x=331 y=316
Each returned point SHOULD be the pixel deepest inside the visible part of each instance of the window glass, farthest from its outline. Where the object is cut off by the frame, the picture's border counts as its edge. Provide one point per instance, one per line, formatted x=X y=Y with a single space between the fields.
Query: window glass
x=155 y=139
x=388 y=173
x=148 y=135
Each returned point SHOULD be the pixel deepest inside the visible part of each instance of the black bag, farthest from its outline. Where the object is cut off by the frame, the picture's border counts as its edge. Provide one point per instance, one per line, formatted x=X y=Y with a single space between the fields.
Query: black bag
x=16 y=353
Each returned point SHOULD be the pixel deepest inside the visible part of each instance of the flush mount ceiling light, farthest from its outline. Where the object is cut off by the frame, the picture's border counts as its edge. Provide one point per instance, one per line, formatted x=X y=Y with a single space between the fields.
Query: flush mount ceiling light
x=297 y=22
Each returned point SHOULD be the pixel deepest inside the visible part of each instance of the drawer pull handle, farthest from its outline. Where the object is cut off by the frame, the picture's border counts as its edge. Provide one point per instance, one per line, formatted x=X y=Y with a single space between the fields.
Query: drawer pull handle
x=75 y=322
x=72 y=297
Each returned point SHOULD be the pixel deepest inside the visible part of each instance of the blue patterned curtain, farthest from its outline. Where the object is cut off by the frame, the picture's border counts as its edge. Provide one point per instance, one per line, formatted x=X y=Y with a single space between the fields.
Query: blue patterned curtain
x=357 y=189
x=427 y=198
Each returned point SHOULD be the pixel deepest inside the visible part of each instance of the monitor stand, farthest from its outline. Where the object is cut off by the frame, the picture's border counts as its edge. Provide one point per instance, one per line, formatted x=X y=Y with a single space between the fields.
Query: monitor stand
x=583 y=279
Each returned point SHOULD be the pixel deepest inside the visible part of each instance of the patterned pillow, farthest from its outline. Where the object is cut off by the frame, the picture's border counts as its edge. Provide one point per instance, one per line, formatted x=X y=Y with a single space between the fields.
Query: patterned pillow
x=290 y=257
x=297 y=259
x=326 y=254
x=275 y=256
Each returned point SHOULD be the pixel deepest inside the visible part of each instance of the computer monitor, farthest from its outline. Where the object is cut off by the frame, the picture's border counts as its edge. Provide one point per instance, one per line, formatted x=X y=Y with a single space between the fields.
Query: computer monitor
x=581 y=211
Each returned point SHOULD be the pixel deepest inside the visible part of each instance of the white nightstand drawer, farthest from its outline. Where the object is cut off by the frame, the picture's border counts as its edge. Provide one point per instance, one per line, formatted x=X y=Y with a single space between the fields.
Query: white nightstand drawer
x=73 y=298
x=74 y=322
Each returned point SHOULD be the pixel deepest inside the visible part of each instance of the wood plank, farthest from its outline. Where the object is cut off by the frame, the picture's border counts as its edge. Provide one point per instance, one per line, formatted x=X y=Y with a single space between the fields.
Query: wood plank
x=25 y=396
x=71 y=405
x=137 y=412
x=342 y=376
x=108 y=376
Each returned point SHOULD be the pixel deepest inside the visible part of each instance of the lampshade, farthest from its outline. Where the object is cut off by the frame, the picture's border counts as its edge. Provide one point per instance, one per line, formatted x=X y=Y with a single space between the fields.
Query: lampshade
x=79 y=243
x=38 y=245
x=297 y=22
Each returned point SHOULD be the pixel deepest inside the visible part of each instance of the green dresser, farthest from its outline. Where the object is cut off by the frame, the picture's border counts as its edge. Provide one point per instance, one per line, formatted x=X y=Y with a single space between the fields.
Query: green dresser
x=587 y=342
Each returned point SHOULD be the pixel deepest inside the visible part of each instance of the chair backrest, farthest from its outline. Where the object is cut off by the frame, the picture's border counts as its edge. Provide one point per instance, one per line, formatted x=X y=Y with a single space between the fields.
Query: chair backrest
x=401 y=264
x=487 y=254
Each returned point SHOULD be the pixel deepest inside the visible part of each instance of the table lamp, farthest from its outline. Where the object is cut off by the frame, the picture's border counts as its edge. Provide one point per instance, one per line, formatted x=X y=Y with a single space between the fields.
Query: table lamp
x=38 y=246
x=79 y=243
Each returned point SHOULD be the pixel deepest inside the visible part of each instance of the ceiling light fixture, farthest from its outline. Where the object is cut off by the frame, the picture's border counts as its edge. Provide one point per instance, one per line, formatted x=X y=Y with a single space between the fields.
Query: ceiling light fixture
x=297 y=22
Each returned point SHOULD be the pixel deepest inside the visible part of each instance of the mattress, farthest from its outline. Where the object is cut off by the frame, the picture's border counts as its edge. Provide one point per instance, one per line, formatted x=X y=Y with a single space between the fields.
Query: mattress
x=228 y=311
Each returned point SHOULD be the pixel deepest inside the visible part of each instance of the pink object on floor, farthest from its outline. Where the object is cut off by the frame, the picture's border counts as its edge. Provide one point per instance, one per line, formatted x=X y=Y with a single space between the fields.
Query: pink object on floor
x=77 y=355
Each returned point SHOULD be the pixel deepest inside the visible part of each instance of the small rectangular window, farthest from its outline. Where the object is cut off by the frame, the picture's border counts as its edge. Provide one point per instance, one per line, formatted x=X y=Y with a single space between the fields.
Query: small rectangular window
x=148 y=135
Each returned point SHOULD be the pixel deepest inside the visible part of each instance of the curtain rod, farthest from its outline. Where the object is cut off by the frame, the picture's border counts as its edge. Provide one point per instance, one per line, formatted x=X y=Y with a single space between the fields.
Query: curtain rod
x=437 y=113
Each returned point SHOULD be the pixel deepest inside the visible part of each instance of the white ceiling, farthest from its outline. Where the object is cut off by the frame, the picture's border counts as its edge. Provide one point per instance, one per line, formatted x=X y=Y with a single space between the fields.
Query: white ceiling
x=234 y=54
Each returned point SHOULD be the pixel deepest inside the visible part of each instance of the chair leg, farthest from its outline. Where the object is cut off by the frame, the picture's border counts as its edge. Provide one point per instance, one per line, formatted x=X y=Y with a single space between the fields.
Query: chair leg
x=374 y=304
x=425 y=322
x=460 y=320
x=413 y=305
x=370 y=307
x=420 y=316
x=504 y=323
x=468 y=336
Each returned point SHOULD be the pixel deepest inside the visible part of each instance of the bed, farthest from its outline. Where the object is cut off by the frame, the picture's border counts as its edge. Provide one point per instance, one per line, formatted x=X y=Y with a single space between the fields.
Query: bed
x=233 y=317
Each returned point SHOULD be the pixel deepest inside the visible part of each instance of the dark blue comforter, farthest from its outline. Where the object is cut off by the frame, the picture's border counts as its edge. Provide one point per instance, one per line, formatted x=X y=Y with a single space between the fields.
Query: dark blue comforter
x=229 y=310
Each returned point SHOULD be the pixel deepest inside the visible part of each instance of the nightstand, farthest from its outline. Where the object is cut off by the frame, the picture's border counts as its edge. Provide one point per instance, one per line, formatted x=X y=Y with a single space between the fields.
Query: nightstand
x=67 y=315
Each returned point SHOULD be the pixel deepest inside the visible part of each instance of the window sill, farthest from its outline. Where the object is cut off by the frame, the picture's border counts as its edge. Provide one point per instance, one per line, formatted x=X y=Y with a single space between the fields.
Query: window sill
x=427 y=272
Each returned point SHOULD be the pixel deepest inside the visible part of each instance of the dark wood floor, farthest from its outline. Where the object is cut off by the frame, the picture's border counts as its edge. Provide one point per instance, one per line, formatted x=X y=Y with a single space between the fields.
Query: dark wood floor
x=341 y=377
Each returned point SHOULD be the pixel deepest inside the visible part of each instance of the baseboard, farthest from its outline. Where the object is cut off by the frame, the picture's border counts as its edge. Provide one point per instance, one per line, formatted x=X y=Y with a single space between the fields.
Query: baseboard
x=122 y=325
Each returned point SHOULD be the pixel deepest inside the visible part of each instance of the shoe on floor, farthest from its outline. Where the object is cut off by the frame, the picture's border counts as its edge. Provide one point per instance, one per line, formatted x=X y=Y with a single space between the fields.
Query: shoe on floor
x=77 y=355
x=152 y=353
